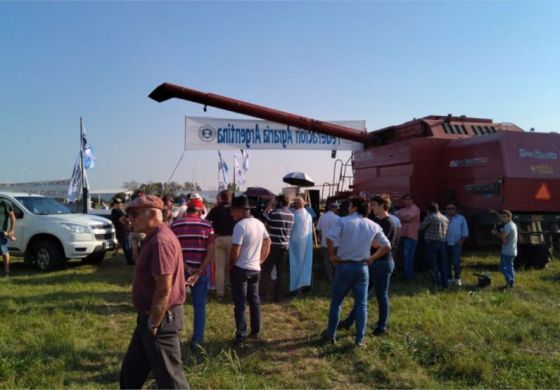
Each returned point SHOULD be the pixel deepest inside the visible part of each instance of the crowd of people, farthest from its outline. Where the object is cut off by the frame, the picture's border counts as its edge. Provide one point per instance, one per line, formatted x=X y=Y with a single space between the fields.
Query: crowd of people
x=188 y=247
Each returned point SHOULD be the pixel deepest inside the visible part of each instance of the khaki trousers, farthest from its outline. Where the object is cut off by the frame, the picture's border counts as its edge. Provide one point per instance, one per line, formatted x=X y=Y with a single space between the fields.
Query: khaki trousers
x=222 y=248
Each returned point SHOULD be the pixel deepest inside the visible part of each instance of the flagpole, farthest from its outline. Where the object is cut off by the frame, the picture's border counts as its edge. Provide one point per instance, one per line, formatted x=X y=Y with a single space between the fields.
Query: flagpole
x=84 y=186
x=234 y=169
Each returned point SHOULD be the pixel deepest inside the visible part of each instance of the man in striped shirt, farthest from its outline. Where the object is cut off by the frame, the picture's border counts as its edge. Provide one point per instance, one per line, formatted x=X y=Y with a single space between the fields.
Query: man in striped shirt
x=279 y=222
x=197 y=244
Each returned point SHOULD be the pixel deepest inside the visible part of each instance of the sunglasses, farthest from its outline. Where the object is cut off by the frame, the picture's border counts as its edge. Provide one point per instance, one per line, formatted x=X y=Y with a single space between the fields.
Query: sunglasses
x=451 y=208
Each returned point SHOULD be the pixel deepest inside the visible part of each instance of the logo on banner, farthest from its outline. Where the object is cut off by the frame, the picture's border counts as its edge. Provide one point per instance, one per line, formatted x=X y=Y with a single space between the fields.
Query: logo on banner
x=207 y=133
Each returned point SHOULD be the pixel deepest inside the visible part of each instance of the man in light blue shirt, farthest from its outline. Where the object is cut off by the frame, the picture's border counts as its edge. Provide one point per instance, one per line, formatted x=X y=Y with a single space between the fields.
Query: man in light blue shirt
x=457 y=233
x=356 y=234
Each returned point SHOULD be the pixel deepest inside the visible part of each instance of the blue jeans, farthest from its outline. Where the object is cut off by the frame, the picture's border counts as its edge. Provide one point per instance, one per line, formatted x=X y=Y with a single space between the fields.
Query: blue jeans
x=437 y=258
x=245 y=287
x=198 y=296
x=379 y=279
x=350 y=275
x=454 y=257
x=506 y=267
x=408 y=250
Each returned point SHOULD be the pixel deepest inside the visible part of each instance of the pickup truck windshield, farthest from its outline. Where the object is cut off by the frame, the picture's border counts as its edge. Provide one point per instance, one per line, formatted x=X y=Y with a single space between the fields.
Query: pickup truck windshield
x=42 y=206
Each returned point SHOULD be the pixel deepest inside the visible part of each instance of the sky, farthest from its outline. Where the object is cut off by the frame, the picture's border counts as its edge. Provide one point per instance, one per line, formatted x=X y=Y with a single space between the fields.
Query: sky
x=382 y=62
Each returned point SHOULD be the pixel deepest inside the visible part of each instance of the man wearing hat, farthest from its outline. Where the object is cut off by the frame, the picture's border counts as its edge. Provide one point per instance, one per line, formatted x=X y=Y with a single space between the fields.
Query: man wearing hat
x=158 y=294
x=249 y=249
x=196 y=237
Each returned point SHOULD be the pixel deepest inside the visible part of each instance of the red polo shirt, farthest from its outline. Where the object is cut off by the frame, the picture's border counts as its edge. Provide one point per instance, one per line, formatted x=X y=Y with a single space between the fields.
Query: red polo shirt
x=160 y=255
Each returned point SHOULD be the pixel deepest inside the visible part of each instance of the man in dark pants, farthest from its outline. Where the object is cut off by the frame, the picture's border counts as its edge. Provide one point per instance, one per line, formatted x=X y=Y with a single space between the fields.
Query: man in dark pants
x=158 y=294
x=279 y=223
x=250 y=247
x=435 y=235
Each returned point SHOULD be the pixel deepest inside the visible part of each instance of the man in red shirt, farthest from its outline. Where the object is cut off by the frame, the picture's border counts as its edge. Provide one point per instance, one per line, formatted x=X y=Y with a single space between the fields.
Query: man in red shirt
x=196 y=237
x=158 y=294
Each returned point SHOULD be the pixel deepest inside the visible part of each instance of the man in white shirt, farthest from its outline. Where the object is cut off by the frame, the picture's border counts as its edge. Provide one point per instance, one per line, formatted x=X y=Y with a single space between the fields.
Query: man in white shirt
x=325 y=223
x=356 y=234
x=249 y=249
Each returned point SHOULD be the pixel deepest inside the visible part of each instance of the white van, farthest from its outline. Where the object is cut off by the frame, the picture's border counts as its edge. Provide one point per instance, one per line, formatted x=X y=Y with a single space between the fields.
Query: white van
x=47 y=233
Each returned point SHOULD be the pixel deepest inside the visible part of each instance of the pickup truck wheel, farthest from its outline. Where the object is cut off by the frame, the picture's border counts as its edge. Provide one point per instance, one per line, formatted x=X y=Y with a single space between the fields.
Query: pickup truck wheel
x=48 y=255
x=94 y=258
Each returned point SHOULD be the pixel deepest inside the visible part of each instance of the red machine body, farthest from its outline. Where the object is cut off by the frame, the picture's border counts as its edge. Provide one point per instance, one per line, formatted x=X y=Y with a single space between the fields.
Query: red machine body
x=476 y=163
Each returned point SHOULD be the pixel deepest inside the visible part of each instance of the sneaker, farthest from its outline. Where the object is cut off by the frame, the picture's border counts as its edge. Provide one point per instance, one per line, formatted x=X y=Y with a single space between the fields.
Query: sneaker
x=7 y=274
x=360 y=344
x=324 y=339
x=510 y=284
x=254 y=336
x=379 y=332
x=239 y=342
x=458 y=282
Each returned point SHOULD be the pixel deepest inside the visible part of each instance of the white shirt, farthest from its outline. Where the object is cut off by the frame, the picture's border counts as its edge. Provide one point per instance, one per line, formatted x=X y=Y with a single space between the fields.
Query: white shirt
x=249 y=234
x=326 y=222
x=355 y=235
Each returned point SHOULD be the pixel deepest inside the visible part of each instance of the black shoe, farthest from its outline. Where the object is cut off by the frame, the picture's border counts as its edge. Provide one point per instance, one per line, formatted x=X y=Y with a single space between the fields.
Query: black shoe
x=379 y=332
x=239 y=342
x=343 y=325
x=510 y=284
x=7 y=275
x=324 y=339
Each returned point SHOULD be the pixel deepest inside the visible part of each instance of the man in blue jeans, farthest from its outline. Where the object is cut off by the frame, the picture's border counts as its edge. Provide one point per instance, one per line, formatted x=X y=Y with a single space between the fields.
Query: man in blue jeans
x=381 y=270
x=435 y=235
x=197 y=245
x=356 y=234
x=508 y=235
x=457 y=233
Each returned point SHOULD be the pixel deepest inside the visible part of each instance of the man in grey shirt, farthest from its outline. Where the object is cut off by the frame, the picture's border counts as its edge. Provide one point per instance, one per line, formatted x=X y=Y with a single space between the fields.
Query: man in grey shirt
x=508 y=235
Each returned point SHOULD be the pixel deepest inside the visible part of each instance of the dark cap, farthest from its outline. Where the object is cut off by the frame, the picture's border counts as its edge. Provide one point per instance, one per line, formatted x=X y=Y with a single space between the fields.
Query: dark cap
x=146 y=202
x=241 y=202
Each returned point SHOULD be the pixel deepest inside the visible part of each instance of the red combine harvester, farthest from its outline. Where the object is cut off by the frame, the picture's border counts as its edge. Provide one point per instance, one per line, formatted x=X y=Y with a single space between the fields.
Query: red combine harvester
x=476 y=163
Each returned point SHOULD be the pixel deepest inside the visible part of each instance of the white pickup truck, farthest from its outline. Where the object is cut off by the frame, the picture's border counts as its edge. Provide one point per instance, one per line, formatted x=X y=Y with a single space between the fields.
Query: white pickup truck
x=48 y=234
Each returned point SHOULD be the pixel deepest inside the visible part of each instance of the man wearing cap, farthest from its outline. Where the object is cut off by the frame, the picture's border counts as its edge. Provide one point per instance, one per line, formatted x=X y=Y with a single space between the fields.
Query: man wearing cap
x=158 y=294
x=197 y=244
x=222 y=222
x=249 y=249
x=326 y=223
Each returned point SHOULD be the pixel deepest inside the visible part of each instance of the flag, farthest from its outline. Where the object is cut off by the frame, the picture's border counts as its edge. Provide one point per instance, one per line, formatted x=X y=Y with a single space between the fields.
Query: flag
x=87 y=152
x=222 y=173
x=73 y=193
x=238 y=170
x=245 y=163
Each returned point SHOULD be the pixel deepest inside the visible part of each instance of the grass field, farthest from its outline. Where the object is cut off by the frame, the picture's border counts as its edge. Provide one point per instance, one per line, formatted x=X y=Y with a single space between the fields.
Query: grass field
x=71 y=329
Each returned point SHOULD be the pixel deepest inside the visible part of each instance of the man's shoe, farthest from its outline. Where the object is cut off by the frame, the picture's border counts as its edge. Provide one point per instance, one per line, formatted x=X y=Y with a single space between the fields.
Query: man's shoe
x=239 y=342
x=343 y=325
x=458 y=282
x=360 y=344
x=7 y=274
x=379 y=332
x=510 y=284
x=254 y=336
x=324 y=339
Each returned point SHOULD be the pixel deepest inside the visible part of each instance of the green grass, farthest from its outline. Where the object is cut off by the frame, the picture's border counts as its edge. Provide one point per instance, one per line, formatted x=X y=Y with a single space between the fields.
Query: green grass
x=71 y=329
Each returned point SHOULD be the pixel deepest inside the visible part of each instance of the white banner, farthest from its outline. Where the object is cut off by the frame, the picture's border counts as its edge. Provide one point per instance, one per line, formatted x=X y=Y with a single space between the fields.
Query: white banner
x=216 y=133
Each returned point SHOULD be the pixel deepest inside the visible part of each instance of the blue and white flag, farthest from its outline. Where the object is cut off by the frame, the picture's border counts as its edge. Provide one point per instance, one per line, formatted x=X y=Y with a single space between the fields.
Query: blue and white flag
x=240 y=173
x=87 y=152
x=245 y=163
x=222 y=173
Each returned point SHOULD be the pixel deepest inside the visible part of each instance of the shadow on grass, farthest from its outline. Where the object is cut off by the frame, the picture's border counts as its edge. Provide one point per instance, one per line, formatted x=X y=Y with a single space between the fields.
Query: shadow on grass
x=102 y=303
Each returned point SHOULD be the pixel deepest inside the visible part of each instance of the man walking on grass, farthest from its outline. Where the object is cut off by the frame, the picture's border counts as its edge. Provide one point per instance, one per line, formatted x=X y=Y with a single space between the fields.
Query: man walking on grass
x=197 y=244
x=508 y=236
x=158 y=294
x=250 y=247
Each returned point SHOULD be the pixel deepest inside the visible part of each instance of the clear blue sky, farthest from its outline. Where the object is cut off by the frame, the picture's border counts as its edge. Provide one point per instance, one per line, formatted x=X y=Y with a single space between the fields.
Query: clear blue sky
x=385 y=62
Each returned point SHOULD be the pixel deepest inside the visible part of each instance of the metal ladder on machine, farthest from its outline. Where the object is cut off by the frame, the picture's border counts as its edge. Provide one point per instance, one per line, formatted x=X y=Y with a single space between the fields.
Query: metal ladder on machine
x=344 y=178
